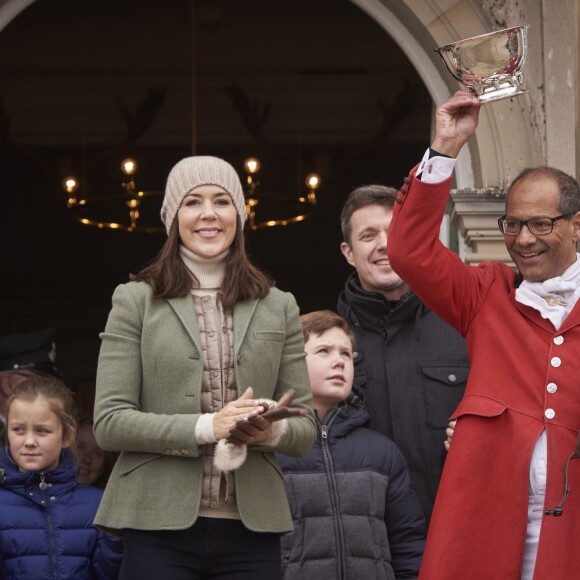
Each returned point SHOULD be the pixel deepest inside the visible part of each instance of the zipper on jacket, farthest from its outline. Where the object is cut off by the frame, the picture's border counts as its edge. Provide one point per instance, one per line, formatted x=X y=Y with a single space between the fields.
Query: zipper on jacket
x=43 y=486
x=334 y=495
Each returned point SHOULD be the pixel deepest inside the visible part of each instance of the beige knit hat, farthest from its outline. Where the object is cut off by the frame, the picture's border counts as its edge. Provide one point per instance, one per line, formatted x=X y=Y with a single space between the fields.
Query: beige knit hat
x=192 y=172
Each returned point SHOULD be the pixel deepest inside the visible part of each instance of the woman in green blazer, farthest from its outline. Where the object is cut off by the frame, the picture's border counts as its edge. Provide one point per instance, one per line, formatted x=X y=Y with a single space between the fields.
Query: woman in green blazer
x=192 y=348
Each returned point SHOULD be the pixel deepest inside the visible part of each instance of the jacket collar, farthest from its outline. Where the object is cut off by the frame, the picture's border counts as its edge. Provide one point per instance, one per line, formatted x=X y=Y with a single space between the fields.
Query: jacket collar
x=341 y=421
x=573 y=319
x=368 y=308
x=185 y=310
x=243 y=313
x=27 y=483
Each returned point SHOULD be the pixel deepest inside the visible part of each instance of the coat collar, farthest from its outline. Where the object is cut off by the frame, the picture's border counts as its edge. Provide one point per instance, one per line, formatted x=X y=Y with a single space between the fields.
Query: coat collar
x=368 y=308
x=185 y=311
x=243 y=312
x=573 y=319
x=61 y=480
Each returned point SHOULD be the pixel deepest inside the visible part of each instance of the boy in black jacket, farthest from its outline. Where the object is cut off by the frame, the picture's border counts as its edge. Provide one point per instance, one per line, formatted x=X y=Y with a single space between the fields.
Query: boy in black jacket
x=355 y=513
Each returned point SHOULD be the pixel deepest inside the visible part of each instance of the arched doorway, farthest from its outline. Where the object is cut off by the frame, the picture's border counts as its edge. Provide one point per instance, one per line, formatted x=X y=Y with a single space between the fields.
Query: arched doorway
x=418 y=27
x=360 y=135
x=350 y=104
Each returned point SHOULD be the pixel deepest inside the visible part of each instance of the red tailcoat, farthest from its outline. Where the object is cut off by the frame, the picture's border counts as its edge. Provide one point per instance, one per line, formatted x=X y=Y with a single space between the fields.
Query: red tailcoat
x=478 y=527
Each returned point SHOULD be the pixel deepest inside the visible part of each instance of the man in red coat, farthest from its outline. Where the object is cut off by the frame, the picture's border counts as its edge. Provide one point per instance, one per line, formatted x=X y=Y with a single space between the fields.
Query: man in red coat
x=517 y=426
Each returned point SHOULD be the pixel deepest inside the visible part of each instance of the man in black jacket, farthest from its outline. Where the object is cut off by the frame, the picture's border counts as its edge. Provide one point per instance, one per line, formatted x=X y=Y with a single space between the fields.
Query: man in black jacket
x=410 y=366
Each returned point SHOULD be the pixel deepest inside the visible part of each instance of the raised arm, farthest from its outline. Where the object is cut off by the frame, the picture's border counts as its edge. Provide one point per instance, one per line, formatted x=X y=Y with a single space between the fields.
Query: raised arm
x=437 y=275
x=455 y=122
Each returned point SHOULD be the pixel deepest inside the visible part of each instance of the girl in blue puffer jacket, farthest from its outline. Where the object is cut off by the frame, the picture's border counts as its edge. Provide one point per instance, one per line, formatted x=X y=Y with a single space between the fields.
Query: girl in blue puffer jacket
x=46 y=517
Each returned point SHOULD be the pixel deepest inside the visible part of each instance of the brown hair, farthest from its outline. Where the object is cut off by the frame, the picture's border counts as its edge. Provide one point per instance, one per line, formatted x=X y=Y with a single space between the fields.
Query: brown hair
x=169 y=277
x=318 y=322
x=567 y=185
x=59 y=397
x=361 y=197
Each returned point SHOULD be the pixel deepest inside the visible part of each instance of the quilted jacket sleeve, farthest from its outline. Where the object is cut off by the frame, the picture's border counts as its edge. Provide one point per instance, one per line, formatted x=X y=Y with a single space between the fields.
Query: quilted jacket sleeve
x=107 y=557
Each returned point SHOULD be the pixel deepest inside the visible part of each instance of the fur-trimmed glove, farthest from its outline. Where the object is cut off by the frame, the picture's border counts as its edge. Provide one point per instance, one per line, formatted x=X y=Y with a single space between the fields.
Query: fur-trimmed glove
x=231 y=456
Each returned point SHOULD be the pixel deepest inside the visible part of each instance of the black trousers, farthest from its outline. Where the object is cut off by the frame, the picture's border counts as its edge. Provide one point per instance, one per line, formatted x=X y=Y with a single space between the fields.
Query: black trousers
x=211 y=548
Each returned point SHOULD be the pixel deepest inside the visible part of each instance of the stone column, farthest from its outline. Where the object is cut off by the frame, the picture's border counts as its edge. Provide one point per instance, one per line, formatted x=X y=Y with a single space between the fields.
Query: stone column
x=474 y=213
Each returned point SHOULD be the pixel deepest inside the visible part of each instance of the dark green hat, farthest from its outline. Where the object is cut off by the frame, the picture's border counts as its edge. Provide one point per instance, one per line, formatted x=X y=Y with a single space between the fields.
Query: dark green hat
x=33 y=351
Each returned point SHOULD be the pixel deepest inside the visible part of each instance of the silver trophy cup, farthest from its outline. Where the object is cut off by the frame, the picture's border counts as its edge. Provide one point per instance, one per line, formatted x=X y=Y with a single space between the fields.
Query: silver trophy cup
x=489 y=65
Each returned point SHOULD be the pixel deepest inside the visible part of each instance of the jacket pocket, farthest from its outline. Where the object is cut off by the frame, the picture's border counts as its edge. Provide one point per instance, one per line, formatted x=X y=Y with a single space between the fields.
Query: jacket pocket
x=264 y=354
x=129 y=462
x=270 y=335
x=443 y=386
x=479 y=406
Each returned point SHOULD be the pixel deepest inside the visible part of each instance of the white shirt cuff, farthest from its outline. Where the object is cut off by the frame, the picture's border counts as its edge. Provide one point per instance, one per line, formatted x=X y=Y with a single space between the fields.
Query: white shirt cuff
x=436 y=169
x=204 y=429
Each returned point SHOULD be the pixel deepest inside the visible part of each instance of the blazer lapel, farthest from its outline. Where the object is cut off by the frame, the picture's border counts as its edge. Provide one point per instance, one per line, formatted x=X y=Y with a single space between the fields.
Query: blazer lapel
x=531 y=313
x=185 y=311
x=243 y=312
x=573 y=318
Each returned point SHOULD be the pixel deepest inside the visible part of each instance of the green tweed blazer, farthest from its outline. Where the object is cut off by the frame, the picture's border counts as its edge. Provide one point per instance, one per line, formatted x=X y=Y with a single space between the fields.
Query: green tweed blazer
x=148 y=401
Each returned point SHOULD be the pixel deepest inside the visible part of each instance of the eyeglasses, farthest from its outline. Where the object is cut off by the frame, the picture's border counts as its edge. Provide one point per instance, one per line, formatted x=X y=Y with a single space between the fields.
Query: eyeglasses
x=538 y=226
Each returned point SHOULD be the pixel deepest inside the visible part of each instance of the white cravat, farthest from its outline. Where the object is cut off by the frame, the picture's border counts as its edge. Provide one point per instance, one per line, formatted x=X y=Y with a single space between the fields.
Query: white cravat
x=553 y=298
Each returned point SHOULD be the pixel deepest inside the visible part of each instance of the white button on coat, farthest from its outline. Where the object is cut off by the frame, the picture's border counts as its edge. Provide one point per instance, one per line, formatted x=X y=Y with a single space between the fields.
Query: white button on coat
x=552 y=388
x=558 y=340
x=556 y=361
x=550 y=413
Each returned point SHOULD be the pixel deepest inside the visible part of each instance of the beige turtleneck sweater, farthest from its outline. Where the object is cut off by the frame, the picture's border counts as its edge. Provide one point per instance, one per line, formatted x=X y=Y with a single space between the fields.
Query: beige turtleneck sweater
x=210 y=273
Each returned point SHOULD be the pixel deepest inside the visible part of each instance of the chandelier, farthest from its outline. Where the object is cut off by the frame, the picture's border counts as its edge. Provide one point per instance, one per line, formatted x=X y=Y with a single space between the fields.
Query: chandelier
x=131 y=210
x=281 y=209
x=126 y=205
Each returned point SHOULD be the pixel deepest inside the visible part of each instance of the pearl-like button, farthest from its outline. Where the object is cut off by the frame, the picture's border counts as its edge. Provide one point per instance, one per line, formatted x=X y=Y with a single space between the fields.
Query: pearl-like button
x=550 y=413
x=552 y=387
x=452 y=378
x=558 y=340
x=556 y=362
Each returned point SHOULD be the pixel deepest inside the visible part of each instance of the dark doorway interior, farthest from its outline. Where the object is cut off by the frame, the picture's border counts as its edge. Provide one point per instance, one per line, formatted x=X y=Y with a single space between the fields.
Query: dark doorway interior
x=307 y=85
